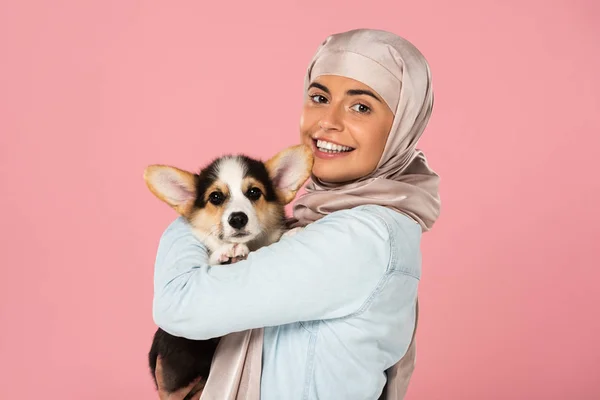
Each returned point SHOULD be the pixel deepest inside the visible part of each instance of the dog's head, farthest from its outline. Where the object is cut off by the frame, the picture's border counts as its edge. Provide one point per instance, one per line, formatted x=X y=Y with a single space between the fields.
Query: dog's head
x=235 y=198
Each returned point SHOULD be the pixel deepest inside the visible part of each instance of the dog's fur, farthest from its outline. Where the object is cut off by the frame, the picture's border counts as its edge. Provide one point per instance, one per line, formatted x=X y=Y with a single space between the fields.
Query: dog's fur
x=234 y=205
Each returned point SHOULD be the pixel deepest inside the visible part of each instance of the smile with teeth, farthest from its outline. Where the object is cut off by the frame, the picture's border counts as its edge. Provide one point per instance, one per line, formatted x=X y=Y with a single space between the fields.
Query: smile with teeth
x=327 y=147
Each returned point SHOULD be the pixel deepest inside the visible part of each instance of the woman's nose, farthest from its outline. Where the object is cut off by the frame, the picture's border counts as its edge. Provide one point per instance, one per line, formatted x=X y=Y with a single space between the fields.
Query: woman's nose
x=332 y=119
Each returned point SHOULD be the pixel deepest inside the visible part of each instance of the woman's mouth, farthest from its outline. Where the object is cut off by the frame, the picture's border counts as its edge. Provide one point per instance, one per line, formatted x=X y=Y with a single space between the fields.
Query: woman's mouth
x=325 y=149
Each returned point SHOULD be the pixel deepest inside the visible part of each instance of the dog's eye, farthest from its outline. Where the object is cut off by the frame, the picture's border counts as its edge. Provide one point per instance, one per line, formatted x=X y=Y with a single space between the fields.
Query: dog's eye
x=254 y=193
x=216 y=198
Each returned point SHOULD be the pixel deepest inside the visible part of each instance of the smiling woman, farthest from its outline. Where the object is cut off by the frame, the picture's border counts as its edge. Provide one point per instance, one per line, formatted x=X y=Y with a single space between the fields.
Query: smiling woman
x=347 y=125
x=330 y=312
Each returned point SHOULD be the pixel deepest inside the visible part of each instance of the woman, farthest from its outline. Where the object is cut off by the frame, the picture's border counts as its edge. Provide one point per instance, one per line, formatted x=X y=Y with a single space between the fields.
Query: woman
x=338 y=299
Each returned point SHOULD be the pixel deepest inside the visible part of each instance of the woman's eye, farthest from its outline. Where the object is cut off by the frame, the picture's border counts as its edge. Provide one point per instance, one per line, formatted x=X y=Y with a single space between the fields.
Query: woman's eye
x=216 y=198
x=361 y=108
x=317 y=98
x=254 y=193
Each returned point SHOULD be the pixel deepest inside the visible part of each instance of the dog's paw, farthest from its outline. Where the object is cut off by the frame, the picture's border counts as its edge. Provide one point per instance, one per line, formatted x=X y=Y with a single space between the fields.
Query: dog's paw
x=239 y=251
x=292 y=232
x=218 y=257
x=228 y=253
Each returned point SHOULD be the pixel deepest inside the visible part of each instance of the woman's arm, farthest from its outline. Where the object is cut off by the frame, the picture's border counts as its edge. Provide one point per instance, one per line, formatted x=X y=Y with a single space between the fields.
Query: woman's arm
x=328 y=270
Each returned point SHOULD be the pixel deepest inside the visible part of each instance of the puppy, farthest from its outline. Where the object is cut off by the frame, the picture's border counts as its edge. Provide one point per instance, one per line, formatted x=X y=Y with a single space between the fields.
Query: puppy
x=234 y=205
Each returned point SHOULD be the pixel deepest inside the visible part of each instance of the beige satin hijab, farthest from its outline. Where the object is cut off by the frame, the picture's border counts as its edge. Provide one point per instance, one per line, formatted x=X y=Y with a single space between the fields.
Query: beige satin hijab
x=403 y=181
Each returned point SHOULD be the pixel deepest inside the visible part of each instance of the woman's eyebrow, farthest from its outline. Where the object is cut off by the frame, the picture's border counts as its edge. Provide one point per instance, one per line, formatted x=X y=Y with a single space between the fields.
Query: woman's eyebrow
x=319 y=86
x=351 y=92
x=358 y=92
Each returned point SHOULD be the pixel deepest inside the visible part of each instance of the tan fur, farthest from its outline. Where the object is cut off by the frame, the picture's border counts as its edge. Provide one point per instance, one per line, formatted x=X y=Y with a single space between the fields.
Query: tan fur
x=270 y=216
x=207 y=221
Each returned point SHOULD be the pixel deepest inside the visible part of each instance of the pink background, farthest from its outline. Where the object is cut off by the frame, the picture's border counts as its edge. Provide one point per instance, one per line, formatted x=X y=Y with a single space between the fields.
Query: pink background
x=93 y=91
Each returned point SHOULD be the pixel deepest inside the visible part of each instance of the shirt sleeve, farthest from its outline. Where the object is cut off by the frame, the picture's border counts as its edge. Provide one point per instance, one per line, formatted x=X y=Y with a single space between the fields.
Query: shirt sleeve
x=327 y=270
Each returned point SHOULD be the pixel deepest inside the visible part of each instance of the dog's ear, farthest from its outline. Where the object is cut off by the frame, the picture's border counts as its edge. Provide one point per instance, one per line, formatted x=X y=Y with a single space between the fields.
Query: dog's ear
x=289 y=169
x=172 y=185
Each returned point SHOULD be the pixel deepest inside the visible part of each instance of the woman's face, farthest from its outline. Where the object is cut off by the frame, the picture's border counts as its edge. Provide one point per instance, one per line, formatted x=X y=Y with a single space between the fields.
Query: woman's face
x=346 y=123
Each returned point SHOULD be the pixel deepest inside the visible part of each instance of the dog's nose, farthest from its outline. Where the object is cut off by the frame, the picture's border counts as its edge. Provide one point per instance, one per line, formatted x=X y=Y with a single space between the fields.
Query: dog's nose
x=238 y=220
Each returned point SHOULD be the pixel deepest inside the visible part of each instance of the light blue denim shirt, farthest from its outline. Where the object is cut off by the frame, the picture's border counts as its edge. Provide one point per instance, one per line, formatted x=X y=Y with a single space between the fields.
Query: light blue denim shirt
x=337 y=300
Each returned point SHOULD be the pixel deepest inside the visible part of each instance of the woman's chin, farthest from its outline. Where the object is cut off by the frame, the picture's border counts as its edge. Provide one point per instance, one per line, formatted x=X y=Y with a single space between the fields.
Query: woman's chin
x=331 y=175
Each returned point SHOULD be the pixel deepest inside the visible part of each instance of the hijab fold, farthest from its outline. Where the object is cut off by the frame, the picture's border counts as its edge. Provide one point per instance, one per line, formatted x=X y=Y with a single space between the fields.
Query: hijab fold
x=402 y=181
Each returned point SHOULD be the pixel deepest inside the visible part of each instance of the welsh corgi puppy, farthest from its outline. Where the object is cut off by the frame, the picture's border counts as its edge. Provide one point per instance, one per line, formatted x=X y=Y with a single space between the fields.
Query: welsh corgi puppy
x=234 y=205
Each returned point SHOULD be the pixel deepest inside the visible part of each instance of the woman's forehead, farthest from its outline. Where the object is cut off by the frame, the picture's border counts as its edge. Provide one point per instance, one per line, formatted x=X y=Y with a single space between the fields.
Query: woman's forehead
x=340 y=80
x=343 y=82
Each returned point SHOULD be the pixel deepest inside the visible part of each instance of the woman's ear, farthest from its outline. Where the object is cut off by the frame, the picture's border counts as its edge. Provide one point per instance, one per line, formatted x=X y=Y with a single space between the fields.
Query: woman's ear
x=289 y=169
x=174 y=186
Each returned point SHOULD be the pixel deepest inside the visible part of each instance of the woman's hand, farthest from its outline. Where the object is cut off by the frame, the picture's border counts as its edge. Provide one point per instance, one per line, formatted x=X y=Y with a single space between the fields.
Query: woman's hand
x=178 y=395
